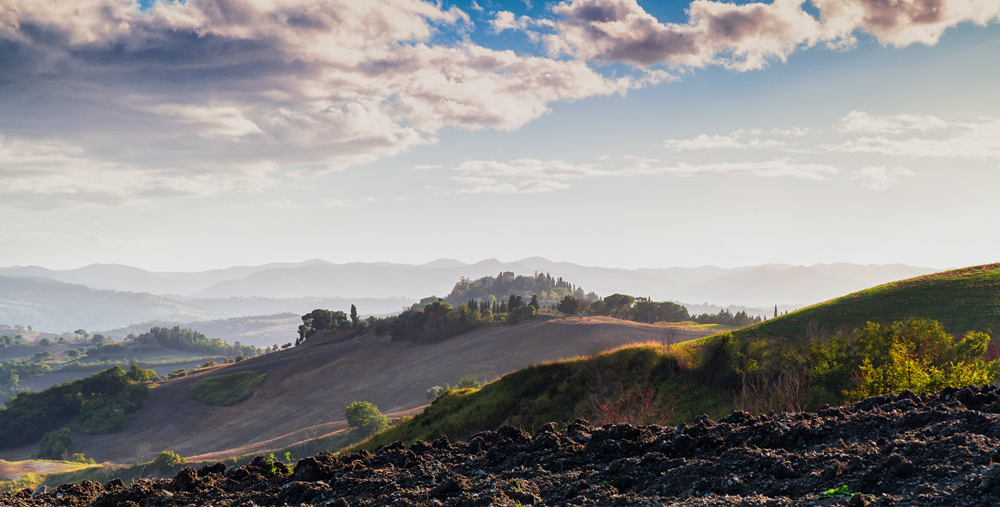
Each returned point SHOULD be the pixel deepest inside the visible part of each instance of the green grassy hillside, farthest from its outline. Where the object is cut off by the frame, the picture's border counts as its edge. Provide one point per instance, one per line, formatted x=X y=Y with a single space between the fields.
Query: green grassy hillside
x=640 y=384
x=787 y=363
x=962 y=300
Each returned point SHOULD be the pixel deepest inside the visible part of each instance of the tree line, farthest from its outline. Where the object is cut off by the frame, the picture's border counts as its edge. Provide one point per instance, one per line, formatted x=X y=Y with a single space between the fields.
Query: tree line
x=7 y=341
x=176 y=338
x=99 y=404
x=547 y=290
x=433 y=322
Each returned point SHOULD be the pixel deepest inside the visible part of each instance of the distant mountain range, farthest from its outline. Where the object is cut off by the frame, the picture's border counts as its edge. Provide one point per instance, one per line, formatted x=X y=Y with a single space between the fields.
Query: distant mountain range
x=63 y=307
x=105 y=296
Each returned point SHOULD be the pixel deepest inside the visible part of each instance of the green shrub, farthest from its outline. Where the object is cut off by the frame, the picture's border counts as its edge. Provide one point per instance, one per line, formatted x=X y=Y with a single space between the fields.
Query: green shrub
x=366 y=416
x=185 y=339
x=914 y=354
x=226 y=390
x=167 y=460
x=78 y=457
x=55 y=444
x=101 y=403
x=469 y=382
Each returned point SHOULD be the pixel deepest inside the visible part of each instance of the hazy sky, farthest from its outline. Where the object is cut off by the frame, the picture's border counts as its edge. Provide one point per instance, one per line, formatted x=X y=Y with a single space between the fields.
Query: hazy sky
x=187 y=135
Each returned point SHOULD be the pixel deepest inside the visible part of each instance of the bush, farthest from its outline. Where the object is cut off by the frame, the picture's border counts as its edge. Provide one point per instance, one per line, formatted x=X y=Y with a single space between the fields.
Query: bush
x=167 y=460
x=78 y=457
x=366 y=416
x=226 y=390
x=185 y=339
x=99 y=404
x=55 y=443
x=436 y=391
x=209 y=364
x=469 y=382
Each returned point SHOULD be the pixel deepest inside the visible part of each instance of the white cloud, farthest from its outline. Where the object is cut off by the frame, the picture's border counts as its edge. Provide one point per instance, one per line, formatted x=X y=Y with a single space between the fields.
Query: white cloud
x=792 y=132
x=880 y=178
x=333 y=203
x=203 y=97
x=53 y=174
x=966 y=140
x=737 y=140
x=746 y=37
x=782 y=168
x=475 y=6
x=535 y=176
x=489 y=186
x=859 y=121
x=426 y=167
x=506 y=20
x=316 y=86
x=551 y=169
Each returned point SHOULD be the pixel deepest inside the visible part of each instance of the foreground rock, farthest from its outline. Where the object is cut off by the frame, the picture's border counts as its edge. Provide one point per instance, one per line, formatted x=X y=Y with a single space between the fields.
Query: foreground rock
x=937 y=449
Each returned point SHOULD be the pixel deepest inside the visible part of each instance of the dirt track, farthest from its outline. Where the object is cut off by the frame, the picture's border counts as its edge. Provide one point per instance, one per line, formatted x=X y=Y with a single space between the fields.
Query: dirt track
x=308 y=387
x=905 y=450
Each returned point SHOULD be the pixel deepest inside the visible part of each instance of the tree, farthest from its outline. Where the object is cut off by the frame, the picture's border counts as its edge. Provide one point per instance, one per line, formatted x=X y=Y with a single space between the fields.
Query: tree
x=98 y=339
x=651 y=312
x=320 y=320
x=354 y=316
x=618 y=305
x=364 y=415
x=514 y=302
x=55 y=444
x=167 y=460
x=469 y=382
x=534 y=302
x=44 y=342
x=81 y=332
x=73 y=353
x=569 y=305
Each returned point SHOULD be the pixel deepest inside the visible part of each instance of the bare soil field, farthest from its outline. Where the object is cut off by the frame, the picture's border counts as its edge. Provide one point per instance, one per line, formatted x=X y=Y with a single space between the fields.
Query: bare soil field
x=302 y=435
x=938 y=449
x=310 y=385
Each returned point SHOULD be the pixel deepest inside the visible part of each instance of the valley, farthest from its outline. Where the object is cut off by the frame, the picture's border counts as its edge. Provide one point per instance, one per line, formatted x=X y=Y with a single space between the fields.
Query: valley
x=309 y=386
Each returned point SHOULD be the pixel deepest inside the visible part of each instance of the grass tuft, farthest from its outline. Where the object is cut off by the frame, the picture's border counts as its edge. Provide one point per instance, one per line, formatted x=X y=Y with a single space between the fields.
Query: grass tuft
x=226 y=390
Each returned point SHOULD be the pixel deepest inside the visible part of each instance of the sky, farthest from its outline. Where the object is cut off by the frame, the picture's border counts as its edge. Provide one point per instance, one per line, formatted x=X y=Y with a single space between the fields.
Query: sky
x=200 y=134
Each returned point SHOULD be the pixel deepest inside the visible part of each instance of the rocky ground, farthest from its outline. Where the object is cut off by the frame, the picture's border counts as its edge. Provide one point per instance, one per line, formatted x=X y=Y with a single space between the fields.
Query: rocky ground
x=939 y=449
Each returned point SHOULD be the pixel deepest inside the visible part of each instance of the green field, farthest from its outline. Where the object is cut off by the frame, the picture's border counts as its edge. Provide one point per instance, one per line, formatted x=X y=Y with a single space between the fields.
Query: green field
x=743 y=369
x=562 y=391
x=226 y=390
x=961 y=300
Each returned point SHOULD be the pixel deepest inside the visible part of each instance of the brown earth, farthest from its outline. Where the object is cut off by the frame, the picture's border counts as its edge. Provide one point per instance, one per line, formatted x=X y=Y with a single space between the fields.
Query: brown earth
x=938 y=449
x=309 y=386
x=314 y=432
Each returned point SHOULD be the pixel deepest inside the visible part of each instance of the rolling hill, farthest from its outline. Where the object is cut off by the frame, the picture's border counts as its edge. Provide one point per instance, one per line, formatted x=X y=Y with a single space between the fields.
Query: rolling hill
x=307 y=387
x=961 y=300
x=764 y=285
x=64 y=307
x=687 y=381
x=57 y=306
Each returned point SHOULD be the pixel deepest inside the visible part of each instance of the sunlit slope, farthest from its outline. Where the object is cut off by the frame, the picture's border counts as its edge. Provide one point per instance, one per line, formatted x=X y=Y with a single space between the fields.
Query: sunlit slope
x=962 y=300
x=558 y=392
x=306 y=388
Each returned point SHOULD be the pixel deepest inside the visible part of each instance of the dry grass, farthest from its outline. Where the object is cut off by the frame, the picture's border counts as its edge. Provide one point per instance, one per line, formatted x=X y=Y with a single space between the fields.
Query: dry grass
x=14 y=470
x=760 y=394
